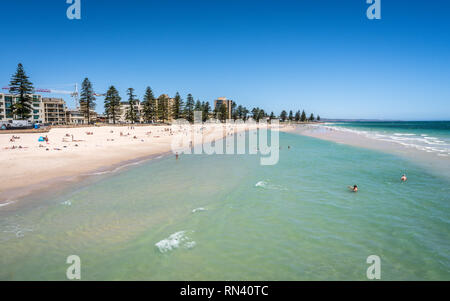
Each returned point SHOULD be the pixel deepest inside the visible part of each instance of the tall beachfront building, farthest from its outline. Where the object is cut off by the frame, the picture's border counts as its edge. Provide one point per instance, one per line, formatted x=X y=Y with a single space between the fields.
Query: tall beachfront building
x=227 y=102
x=7 y=101
x=54 y=110
x=43 y=109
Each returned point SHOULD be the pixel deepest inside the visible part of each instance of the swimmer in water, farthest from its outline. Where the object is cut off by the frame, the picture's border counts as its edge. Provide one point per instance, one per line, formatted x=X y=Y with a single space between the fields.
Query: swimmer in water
x=354 y=188
x=404 y=178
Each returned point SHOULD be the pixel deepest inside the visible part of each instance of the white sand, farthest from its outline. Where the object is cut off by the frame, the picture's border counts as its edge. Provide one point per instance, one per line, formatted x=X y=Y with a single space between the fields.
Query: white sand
x=28 y=168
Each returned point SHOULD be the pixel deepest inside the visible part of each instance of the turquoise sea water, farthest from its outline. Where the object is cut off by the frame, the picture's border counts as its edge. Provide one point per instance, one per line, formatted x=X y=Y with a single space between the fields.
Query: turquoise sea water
x=292 y=221
x=426 y=136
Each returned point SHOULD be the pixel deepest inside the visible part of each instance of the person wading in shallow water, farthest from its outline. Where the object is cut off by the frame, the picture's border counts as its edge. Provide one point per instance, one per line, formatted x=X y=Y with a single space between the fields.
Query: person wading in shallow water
x=354 y=188
x=404 y=178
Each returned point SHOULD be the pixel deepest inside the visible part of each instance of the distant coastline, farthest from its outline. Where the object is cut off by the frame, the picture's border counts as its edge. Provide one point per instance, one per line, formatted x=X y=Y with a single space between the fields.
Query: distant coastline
x=433 y=161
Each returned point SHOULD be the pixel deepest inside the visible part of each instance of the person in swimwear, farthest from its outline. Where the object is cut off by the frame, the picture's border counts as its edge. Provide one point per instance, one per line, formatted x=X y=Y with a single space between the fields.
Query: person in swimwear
x=404 y=178
x=354 y=188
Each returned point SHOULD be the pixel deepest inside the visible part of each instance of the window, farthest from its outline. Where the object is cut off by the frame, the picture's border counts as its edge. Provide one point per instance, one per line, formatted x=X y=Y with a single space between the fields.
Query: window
x=36 y=116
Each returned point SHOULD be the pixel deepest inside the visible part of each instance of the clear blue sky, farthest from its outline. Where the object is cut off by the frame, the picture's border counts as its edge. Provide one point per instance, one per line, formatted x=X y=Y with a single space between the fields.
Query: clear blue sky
x=323 y=56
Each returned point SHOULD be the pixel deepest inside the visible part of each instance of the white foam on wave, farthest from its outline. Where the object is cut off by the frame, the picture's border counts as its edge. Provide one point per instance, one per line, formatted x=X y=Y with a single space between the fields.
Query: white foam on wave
x=17 y=230
x=409 y=140
x=261 y=184
x=174 y=241
x=66 y=203
x=99 y=173
x=6 y=204
x=267 y=185
x=190 y=244
x=198 y=209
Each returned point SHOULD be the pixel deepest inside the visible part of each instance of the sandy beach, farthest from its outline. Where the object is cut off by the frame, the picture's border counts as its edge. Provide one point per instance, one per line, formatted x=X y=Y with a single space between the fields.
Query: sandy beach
x=29 y=164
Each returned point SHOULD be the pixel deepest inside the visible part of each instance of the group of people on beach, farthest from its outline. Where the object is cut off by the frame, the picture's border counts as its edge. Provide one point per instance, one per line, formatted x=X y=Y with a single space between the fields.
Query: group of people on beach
x=355 y=187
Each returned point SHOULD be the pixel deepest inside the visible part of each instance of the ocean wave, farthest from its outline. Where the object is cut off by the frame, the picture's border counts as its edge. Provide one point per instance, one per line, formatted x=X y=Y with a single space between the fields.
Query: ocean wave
x=174 y=241
x=66 y=203
x=261 y=184
x=420 y=142
x=6 y=204
x=267 y=185
x=198 y=209
x=99 y=173
x=17 y=230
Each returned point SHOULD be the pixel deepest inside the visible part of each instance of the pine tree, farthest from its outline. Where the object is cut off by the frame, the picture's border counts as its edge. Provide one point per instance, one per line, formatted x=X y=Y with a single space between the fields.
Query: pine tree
x=233 y=111
x=87 y=99
x=303 y=117
x=261 y=114
x=112 y=104
x=132 y=114
x=272 y=116
x=223 y=112
x=245 y=113
x=283 y=115
x=291 y=115
x=162 y=108
x=206 y=111
x=240 y=112
x=318 y=117
x=149 y=110
x=22 y=88
x=311 y=117
x=256 y=114
x=189 y=109
x=177 y=107
x=297 y=116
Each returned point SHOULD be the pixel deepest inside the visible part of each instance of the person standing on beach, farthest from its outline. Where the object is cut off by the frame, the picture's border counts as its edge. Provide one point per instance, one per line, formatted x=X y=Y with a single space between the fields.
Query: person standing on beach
x=404 y=178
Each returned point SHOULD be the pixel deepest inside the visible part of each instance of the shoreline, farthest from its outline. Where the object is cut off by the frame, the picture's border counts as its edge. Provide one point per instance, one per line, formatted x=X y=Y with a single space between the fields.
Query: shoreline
x=431 y=162
x=37 y=167
x=57 y=185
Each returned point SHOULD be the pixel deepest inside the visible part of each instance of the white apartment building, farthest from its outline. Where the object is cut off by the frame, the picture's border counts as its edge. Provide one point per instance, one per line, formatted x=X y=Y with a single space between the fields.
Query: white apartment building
x=44 y=110
x=37 y=108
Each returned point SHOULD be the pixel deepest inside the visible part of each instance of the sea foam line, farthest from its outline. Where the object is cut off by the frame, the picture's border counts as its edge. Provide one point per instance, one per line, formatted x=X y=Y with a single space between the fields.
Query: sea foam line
x=6 y=204
x=174 y=241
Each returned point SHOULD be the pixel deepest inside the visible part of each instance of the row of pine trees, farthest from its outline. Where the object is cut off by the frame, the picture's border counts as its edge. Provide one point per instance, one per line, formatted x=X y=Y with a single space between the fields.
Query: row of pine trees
x=153 y=109
x=299 y=117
